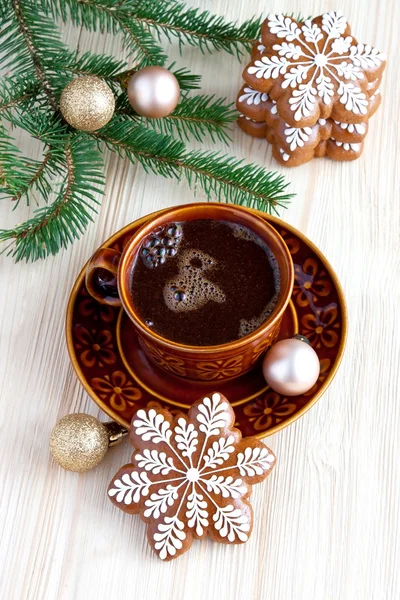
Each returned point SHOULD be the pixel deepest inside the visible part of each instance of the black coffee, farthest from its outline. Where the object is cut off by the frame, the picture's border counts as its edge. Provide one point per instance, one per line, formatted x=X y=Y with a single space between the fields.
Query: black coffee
x=204 y=282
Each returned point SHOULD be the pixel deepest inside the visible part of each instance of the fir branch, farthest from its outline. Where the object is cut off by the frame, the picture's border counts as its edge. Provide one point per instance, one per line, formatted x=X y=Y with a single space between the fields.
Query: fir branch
x=38 y=179
x=140 y=43
x=112 y=17
x=15 y=171
x=186 y=79
x=16 y=91
x=42 y=65
x=58 y=224
x=103 y=66
x=93 y=15
x=198 y=116
x=197 y=28
x=40 y=37
x=224 y=178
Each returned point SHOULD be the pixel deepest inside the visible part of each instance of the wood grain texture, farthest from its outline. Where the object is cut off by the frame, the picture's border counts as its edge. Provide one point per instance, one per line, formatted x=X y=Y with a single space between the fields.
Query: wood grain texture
x=327 y=520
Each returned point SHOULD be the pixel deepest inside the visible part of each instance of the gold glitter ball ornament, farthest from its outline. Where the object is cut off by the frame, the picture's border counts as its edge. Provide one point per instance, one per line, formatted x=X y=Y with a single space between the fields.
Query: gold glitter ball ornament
x=87 y=103
x=79 y=442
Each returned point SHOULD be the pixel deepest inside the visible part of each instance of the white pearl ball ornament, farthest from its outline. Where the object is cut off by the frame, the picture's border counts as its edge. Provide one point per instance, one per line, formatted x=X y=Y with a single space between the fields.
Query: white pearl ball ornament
x=153 y=92
x=291 y=367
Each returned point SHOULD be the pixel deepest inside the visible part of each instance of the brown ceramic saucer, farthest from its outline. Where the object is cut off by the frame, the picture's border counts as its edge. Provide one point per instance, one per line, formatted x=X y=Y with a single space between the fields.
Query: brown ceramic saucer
x=115 y=372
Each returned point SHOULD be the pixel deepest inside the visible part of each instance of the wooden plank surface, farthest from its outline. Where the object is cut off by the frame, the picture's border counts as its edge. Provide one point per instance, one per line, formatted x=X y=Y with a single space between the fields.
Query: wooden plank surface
x=327 y=520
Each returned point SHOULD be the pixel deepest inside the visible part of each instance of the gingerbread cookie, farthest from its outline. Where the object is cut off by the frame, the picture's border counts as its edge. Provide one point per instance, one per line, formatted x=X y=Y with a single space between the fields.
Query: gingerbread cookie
x=331 y=148
x=191 y=476
x=252 y=127
x=314 y=69
x=253 y=104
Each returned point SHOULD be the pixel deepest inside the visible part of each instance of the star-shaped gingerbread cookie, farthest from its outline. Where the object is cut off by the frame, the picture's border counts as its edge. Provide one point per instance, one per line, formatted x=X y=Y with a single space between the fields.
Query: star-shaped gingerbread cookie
x=314 y=69
x=191 y=476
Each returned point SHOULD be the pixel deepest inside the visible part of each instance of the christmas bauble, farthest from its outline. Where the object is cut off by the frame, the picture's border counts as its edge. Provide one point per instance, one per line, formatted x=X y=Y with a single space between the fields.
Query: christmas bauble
x=79 y=442
x=153 y=92
x=291 y=367
x=87 y=103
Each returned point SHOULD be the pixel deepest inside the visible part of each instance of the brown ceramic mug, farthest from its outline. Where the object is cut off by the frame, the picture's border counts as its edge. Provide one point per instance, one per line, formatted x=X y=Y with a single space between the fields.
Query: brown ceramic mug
x=205 y=363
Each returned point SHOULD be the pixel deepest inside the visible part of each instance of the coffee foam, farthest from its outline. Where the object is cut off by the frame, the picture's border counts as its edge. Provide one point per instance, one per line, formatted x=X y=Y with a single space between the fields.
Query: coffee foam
x=247 y=326
x=190 y=289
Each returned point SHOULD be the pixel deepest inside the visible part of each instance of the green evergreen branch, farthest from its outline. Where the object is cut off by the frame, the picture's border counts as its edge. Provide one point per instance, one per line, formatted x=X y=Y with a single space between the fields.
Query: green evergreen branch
x=186 y=79
x=57 y=225
x=112 y=17
x=41 y=66
x=15 y=171
x=197 y=28
x=40 y=36
x=17 y=90
x=140 y=43
x=93 y=15
x=38 y=180
x=103 y=66
x=198 y=116
x=220 y=176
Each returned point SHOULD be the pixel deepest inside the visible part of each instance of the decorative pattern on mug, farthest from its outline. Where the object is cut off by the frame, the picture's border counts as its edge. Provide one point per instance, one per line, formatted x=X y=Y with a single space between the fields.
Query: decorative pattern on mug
x=170 y=363
x=262 y=346
x=219 y=369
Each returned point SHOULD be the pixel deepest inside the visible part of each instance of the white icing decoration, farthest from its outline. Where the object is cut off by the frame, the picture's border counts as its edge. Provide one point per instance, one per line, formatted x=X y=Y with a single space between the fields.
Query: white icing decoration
x=213 y=415
x=156 y=462
x=226 y=486
x=296 y=136
x=130 y=487
x=251 y=96
x=158 y=502
x=186 y=437
x=196 y=512
x=352 y=127
x=322 y=121
x=185 y=480
x=260 y=46
x=274 y=109
x=300 y=57
x=152 y=426
x=169 y=537
x=231 y=523
x=248 y=118
x=219 y=452
x=254 y=461
x=346 y=146
x=284 y=155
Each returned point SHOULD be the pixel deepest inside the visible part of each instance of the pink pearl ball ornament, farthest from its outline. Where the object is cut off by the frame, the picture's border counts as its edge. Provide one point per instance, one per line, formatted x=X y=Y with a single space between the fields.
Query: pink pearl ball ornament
x=153 y=92
x=291 y=367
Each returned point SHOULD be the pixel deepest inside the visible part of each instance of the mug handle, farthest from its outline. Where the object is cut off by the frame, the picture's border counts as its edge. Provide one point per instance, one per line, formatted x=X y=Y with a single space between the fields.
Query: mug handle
x=101 y=276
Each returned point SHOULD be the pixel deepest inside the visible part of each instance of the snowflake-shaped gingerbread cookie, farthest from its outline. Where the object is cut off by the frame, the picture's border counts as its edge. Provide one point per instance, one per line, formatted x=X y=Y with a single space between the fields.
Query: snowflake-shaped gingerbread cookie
x=314 y=69
x=191 y=476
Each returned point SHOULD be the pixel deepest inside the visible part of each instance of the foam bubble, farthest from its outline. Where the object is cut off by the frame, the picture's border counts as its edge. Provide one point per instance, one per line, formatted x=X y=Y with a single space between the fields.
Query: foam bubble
x=247 y=326
x=190 y=289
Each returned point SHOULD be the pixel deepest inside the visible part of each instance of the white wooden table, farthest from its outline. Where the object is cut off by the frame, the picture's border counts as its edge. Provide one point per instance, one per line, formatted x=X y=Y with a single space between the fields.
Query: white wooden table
x=327 y=520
